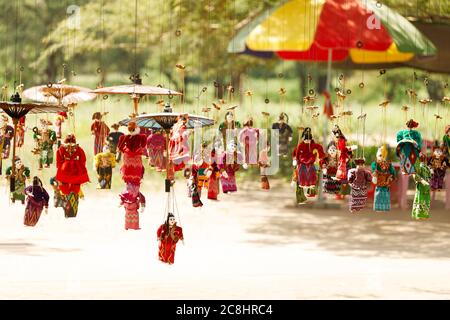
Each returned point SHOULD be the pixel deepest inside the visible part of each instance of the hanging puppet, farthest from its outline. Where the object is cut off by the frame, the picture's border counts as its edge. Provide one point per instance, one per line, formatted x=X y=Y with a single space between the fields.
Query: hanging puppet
x=100 y=131
x=59 y=200
x=168 y=236
x=113 y=141
x=45 y=138
x=191 y=176
x=71 y=173
x=156 y=148
x=446 y=142
x=132 y=200
x=229 y=164
x=132 y=146
x=359 y=180
x=331 y=184
x=104 y=163
x=438 y=164
x=304 y=157
x=37 y=200
x=264 y=164
x=248 y=139
x=284 y=133
x=179 y=153
x=228 y=128
x=21 y=174
x=422 y=199
x=59 y=120
x=213 y=174
x=299 y=192
x=20 y=137
x=383 y=174
x=6 y=134
x=200 y=165
x=344 y=153
x=409 y=145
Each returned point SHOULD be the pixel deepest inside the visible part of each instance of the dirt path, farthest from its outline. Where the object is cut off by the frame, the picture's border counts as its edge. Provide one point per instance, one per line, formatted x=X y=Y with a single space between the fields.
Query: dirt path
x=249 y=245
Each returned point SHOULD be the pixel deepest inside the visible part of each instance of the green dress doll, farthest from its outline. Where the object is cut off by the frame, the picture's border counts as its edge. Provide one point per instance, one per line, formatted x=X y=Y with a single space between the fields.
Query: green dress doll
x=421 y=204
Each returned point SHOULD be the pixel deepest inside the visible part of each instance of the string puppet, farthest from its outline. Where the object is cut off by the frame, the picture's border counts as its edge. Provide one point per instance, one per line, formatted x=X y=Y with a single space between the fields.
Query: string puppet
x=132 y=200
x=60 y=118
x=20 y=137
x=304 y=157
x=71 y=173
x=6 y=134
x=344 y=153
x=59 y=200
x=359 y=180
x=438 y=164
x=100 y=131
x=248 y=138
x=37 y=200
x=409 y=145
x=422 y=177
x=113 y=141
x=331 y=184
x=179 y=153
x=284 y=134
x=228 y=128
x=168 y=236
x=104 y=162
x=213 y=174
x=45 y=138
x=383 y=175
x=20 y=175
x=156 y=148
x=229 y=164
x=264 y=164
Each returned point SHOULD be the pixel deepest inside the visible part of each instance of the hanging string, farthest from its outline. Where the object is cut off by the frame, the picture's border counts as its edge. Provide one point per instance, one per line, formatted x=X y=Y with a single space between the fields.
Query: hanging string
x=135 y=34
x=15 y=41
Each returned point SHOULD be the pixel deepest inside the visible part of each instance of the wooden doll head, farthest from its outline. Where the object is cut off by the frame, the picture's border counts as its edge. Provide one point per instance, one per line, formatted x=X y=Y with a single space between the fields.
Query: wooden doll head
x=437 y=151
x=382 y=153
x=37 y=182
x=337 y=132
x=331 y=149
x=170 y=221
x=307 y=135
x=411 y=124
x=133 y=129
x=360 y=161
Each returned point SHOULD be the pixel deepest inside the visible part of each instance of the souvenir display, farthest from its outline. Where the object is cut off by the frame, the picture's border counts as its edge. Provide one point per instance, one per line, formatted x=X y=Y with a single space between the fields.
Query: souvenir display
x=330 y=183
x=229 y=164
x=438 y=164
x=20 y=176
x=344 y=153
x=422 y=177
x=284 y=134
x=45 y=138
x=179 y=153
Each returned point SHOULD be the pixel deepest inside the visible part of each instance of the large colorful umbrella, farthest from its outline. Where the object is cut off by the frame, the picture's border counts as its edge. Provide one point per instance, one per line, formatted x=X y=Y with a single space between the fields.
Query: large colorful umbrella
x=336 y=30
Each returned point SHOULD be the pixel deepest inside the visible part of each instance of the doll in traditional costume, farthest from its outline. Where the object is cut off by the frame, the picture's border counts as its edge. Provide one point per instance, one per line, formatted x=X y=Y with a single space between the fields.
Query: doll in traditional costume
x=409 y=145
x=104 y=163
x=228 y=128
x=37 y=200
x=132 y=146
x=191 y=176
x=383 y=174
x=344 y=153
x=213 y=174
x=359 y=180
x=422 y=177
x=264 y=164
x=248 y=138
x=284 y=134
x=21 y=174
x=59 y=200
x=45 y=138
x=113 y=141
x=299 y=192
x=100 y=131
x=20 y=138
x=132 y=200
x=71 y=173
x=60 y=118
x=156 y=149
x=329 y=165
x=6 y=134
x=304 y=157
x=168 y=236
x=438 y=164
x=229 y=164
x=179 y=153
x=200 y=165
x=446 y=141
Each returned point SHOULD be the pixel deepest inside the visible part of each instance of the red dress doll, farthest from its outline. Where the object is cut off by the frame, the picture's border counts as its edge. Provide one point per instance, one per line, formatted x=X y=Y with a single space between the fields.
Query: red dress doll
x=168 y=235
x=248 y=138
x=132 y=200
x=132 y=146
x=100 y=131
x=343 y=153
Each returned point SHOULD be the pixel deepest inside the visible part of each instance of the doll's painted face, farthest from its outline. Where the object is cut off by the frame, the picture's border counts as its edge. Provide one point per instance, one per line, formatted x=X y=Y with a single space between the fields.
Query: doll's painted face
x=171 y=221
x=229 y=118
x=19 y=163
x=231 y=147
x=380 y=156
x=332 y=151
x=437 y=152
x=308 y=141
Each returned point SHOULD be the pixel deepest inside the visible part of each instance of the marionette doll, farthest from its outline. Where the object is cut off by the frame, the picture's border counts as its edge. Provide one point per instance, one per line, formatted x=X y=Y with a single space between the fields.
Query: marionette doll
x=6 y=133
x=359 y=180
x=409 y=145
x=21 y=174
x=228 y=128
x=132 y=200
x=59 y=120
x=100 y=131
x=299 y=192
x=213 y=174
x=71 y=173
x=132 y=146
x=446 y=141
x=113 y=141
x=156 y=148
x=344 y=153
x=438 y=164
x=329 y=164
x=59 y=200
x=179 y=144
x=284 y=134
x=104 y=163
x=20 y=132
x=248 y=138
x=383 y=174
x=229 y=164
x=45 y=138
x=191 y=176
x=37 y=200
x=304 y=156
x=264 y=164
x=422 y=177
x=168 y=235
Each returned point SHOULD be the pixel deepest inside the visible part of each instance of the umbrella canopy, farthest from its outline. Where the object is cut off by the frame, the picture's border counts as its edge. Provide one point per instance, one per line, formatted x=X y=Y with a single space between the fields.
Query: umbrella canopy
x=59 y=93
x=166 y=120
x=136 y=89
x=310 y=30
x=17 y=110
